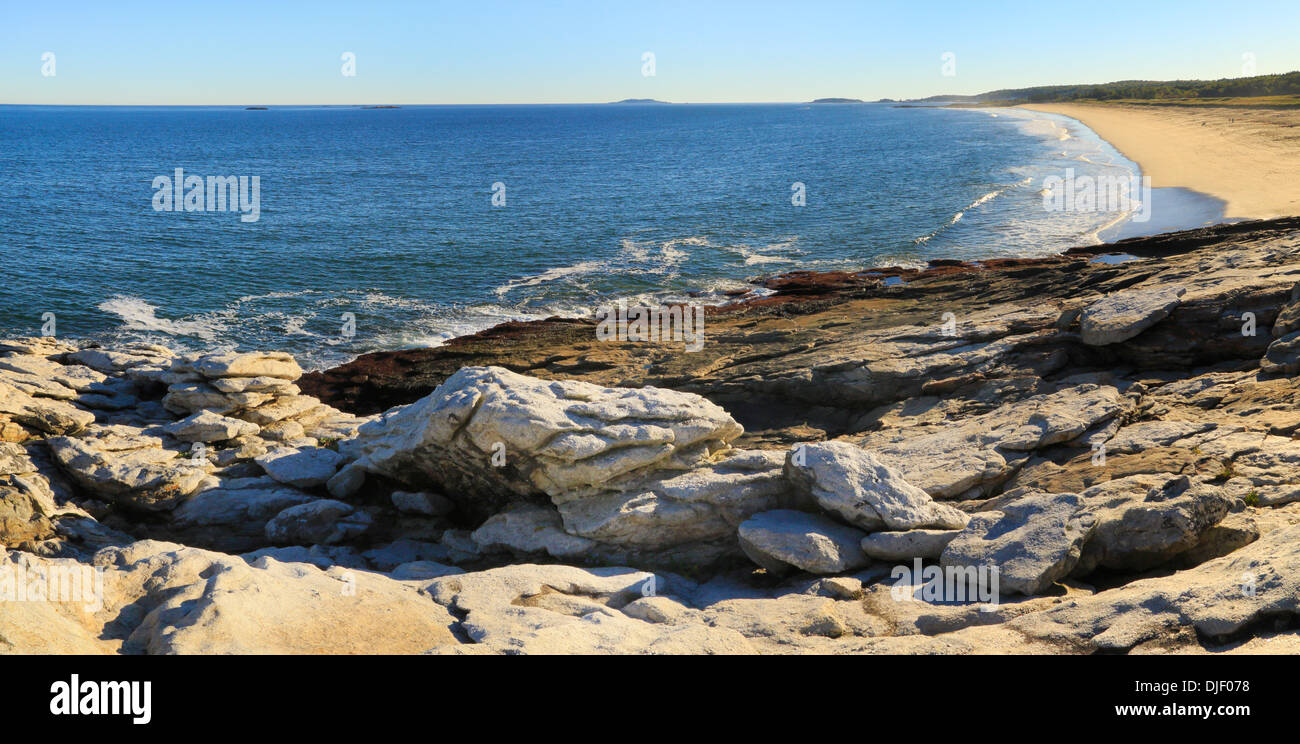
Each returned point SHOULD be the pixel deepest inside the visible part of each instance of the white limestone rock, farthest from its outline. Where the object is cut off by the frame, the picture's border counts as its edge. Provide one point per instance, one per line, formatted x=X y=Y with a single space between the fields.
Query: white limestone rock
x=319 y=522
x=44 y=414
x=274 y=364
x=124 y=465
x=1124 y=314
x=853 y=484
x=300 y=468
x=905 y=546
x=1033 y=541
x=206 y=426
x=783 y=539
x=553 y=436
x=529 y=528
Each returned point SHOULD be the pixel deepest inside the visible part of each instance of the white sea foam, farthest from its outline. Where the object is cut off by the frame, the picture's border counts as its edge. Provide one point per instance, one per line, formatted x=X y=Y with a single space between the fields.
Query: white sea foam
x=550 y=275
x=139 y=315
x=986 y=198
x=668 y=258
x=277 y=295
x=756 y=257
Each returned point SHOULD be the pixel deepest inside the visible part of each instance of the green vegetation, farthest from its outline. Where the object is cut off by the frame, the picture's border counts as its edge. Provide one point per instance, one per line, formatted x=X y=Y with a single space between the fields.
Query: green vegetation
x=1268 y=102
x=1225 y=474
x=1252 y=498
x=1286 y=87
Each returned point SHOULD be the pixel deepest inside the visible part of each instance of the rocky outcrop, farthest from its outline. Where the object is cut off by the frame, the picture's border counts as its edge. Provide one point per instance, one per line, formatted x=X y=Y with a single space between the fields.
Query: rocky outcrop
x=546 y=437
x=974 y=455
x=1115 y=443
x=123 y=464
x=631 y=472
x=163 y=598
x=1145 y=521
x=44 y=414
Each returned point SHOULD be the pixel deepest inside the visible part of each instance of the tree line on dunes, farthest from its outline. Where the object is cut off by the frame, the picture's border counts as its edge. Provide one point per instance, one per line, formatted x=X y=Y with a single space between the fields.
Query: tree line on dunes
x=1258 y=85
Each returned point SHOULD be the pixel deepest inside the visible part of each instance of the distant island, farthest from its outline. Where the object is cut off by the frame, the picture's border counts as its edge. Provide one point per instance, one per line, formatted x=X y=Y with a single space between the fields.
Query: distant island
x=839 y=100
x=254 y=108
x=642 y=100
x=364 y=108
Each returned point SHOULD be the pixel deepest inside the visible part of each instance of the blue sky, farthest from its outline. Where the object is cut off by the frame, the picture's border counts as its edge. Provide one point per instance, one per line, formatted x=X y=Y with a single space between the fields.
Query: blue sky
x=539 y=51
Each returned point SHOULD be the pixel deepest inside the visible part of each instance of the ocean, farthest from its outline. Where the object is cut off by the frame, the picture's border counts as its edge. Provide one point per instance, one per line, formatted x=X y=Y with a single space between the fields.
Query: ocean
x=389 y=228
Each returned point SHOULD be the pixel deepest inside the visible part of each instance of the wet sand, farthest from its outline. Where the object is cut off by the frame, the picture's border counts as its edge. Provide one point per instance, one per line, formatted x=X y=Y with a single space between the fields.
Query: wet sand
x=1249 y=158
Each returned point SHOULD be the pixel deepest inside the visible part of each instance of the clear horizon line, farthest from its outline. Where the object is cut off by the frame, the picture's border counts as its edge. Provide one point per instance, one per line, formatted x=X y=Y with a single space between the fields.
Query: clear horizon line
x=626 y=101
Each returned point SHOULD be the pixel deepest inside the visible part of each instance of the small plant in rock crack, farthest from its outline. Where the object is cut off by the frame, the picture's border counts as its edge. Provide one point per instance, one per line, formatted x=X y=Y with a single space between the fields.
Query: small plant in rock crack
x=1252 y=498
x=330 y=443
x=1226 y=473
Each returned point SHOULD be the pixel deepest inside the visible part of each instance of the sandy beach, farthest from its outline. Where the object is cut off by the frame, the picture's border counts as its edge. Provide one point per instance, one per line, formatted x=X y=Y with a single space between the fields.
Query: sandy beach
x=1247 y=157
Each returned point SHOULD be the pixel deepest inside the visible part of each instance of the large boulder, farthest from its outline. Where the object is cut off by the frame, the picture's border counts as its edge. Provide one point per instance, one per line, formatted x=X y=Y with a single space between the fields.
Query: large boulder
x=784 y=539
x=1033 y=541
x=852 y=483
x=905 y=546
x=643 y=476
x=1144 y=521
x=488 y=434
x=300 y=468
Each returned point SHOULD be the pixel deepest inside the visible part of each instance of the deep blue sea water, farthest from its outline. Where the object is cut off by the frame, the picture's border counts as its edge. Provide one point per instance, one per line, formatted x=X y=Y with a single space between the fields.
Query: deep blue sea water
x=387 y=214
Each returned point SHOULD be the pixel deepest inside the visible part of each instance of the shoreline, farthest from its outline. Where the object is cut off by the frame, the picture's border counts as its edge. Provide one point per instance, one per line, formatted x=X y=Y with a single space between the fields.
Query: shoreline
x=1246 y=158
x=1172 y=209
x=555 y=346
x=775 y=288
